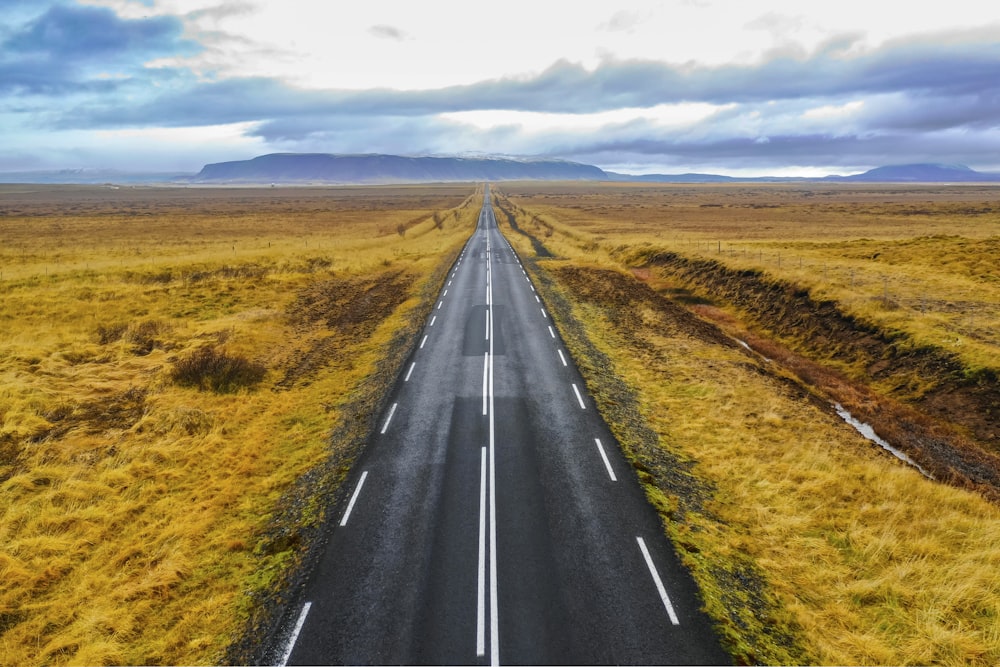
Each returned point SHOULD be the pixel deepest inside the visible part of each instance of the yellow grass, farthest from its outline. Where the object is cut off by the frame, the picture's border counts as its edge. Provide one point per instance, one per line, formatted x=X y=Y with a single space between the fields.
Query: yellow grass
x=916 y=258
x=810 y=545
x=134 y=512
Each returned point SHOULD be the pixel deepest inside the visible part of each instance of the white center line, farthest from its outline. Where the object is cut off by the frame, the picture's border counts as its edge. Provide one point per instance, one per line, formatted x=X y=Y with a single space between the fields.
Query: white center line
x=537 y=300
x=659 y=584
x=561 y=357
x=409 y=372
x=579 y=397
x=388 y=419
x=481 y=608
x=422 y=342
x=433 y=320
x=486 y=373
x=551 y=332
x=440 y=303
x=445 y=293
x=604 y=457
x=295 y=634
x=494 y=605
x=354 y=498
x=544 y=314
x=487 y=324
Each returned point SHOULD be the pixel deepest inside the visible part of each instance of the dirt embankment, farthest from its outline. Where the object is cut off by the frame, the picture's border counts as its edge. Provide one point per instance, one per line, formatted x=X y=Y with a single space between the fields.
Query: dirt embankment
x=945 y=416
x=507 y=208
x=343 y=310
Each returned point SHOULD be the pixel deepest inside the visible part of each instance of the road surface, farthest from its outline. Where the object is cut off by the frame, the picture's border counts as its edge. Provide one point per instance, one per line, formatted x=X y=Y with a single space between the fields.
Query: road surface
x=492 y=518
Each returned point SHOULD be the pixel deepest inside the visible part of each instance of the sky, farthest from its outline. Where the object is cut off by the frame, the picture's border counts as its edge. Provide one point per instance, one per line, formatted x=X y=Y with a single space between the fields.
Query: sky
x=787 y=88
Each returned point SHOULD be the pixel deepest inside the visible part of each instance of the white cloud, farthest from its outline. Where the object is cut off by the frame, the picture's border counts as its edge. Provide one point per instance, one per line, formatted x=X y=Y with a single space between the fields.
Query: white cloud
x=838 y=111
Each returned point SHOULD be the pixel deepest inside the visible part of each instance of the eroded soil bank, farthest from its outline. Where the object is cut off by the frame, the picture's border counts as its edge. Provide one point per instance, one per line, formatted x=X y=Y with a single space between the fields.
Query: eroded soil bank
x=919 y=398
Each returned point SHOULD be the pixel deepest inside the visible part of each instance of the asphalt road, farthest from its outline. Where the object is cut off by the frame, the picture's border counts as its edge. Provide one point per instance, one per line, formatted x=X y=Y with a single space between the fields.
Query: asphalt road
x=492 y=518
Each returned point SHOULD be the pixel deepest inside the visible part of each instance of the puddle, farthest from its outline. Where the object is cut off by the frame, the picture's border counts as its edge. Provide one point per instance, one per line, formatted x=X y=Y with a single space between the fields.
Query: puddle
x=868 y=432
x=744 y=344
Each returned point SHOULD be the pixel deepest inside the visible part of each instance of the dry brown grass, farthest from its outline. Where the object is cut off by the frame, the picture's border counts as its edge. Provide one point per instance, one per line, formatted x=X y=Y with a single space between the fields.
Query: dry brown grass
x=135 y=505
x=810 y=544
x=920 y=259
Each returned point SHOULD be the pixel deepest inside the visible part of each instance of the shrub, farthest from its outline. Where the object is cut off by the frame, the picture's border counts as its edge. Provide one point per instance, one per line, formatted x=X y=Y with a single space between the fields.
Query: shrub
x=210 y=369
x=111 y=333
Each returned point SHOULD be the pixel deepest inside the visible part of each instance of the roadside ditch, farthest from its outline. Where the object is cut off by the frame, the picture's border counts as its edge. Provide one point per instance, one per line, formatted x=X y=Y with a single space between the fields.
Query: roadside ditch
x=940 y=414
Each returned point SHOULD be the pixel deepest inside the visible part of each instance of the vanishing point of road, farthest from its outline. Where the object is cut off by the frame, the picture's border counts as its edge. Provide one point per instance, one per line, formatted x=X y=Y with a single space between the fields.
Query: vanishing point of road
x=492 y=518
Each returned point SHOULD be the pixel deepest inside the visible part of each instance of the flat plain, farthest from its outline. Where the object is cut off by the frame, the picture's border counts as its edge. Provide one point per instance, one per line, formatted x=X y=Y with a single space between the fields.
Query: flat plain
x=187 y=374
x=184 y=375
x=726 y=332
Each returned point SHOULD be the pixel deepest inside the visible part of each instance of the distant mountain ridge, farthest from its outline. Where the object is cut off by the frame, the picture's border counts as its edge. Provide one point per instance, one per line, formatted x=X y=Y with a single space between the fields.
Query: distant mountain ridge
x=902 y=173
x=330 y=168
x=376 y=168
x=921 y=173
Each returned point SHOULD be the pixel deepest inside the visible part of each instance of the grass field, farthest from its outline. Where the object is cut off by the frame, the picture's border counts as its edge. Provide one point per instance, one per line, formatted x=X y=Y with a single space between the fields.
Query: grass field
x=186 y=373
x=173 y=363
x=811 y=544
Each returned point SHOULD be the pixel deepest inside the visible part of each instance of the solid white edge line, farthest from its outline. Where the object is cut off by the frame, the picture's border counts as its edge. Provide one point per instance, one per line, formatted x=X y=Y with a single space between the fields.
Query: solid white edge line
x=579 y=397
x=354 y=498
x=295 y=634
x=481 y=607
x=388 y=419
x=659 y=584
x=562 y=358
x=409 y=372
x=604 y=457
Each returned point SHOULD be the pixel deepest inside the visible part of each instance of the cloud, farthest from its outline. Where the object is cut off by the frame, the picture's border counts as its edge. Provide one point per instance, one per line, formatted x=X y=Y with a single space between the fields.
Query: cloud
x=387 y=32
x=776 y=24
x=623 y=21
x=940 y=85
x=71 y=50
x=82 y=68
x=93 y=33
x=225 y=10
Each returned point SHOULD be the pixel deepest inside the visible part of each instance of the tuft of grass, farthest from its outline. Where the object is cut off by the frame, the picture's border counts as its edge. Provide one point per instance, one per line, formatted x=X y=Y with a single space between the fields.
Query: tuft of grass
x=211 y=369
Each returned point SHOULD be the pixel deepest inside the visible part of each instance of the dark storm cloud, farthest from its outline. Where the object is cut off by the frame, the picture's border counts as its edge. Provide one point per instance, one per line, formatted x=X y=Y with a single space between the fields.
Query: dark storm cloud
x=94 y=33
x=849 y=150
x=73 y=49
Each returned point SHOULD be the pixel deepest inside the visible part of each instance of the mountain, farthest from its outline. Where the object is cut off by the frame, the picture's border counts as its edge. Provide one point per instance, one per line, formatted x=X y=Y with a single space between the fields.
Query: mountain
x=331 y=168
x=304 y=168
x=920 y=173
x=901 y=173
